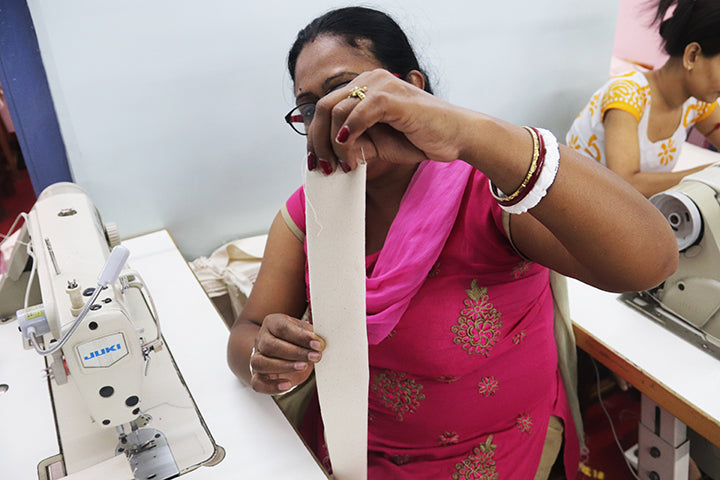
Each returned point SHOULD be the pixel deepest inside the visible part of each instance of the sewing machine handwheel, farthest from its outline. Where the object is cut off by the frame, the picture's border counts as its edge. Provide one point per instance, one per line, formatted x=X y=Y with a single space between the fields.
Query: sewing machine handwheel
x=683 y=216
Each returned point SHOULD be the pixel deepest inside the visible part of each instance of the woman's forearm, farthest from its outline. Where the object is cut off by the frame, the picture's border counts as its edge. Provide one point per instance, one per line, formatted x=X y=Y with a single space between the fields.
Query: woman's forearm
x=602 y=221
x=240 y=345
x=649 y=183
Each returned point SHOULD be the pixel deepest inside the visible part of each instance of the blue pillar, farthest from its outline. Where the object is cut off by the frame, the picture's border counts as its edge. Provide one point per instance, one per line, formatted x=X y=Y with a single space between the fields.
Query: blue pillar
x=23 y=79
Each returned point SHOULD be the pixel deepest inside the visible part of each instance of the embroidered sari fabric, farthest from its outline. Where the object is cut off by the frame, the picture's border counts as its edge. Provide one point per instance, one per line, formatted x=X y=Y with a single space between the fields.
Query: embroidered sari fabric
x=464 y=384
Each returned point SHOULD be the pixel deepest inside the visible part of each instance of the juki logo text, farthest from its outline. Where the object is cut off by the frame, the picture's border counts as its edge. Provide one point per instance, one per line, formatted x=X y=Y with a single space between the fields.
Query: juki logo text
x=97 y=353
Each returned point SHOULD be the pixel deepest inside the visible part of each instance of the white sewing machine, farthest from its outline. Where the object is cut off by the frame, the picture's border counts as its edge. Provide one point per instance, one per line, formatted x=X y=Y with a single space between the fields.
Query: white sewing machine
x=116 y=392
x=688 y=302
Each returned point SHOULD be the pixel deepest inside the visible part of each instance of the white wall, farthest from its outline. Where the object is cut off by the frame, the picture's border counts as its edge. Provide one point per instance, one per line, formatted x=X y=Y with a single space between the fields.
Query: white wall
x=171 y=110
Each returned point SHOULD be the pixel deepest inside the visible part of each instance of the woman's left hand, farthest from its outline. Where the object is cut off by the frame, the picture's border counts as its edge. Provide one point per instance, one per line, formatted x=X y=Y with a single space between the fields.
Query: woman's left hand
x=395 y=121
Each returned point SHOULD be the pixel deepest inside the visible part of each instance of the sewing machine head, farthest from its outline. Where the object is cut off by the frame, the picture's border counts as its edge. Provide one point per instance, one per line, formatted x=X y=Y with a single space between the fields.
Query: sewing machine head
x=115 y=389
x=688 y=302
x=104 y=353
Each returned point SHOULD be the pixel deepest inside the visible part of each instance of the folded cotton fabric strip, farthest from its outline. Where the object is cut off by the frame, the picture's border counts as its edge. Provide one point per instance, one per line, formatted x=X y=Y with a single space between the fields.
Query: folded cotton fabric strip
x=335 y=216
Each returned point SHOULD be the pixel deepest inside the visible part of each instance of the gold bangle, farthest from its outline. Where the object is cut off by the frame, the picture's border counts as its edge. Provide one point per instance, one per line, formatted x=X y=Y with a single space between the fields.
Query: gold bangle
x=531 y=171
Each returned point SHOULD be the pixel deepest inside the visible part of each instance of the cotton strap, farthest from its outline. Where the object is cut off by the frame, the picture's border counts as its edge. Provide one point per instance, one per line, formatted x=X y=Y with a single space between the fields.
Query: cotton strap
x=335 y=216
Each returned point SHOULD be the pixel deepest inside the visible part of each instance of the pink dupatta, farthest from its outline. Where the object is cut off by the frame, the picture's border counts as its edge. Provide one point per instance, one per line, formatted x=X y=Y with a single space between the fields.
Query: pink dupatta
x=413 y=244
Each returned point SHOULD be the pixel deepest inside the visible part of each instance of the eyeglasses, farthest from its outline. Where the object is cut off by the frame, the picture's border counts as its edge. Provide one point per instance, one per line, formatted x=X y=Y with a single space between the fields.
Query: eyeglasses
x=300 y=117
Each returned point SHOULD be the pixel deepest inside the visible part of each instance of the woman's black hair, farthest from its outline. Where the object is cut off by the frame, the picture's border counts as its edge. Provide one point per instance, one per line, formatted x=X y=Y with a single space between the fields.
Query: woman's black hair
x=387 y=42
x=692 y=21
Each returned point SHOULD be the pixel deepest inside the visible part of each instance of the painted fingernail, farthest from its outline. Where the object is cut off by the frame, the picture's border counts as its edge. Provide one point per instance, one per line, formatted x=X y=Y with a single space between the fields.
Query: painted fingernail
x=343 y=134
x=300 y=365
x=284 y=386
x=315 y=345
x=345 y=167
x=312 y=161
x=313 y=356
x=326 y=167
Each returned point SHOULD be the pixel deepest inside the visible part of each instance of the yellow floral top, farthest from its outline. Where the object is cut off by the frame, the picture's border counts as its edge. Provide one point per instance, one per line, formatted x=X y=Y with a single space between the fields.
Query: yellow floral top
x=630 y=92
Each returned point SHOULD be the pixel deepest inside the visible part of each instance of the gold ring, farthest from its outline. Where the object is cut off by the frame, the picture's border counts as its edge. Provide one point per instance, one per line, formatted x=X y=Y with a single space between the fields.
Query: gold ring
x=358 y=92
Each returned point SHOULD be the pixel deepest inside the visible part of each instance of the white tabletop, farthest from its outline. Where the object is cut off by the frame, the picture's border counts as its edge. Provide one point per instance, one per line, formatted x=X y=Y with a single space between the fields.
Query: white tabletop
x=677 y=375
x=259 y=441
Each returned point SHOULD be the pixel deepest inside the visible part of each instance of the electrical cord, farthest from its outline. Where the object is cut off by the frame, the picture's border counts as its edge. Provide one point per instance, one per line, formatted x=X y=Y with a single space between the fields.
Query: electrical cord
x=612 y=426
x=33 y=269
x=22 y=215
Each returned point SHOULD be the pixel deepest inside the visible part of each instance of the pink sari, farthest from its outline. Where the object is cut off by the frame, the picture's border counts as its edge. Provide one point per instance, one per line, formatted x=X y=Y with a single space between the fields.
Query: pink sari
x=463 y=363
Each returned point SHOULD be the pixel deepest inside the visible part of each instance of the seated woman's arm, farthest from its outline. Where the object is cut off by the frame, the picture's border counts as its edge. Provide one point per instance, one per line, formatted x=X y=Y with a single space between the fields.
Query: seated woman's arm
x=710 y=127
x=622 y=154
x=285 y=346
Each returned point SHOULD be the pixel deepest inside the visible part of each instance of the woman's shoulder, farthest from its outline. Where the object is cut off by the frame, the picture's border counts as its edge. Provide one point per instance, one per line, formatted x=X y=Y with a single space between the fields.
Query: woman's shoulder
x=629 y=92
x=695 y=111
x=293 y=212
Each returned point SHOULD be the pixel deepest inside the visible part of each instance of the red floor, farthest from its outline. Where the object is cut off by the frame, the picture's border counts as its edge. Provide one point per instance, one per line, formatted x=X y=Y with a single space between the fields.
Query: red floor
x=603 y=460
x=12 y=203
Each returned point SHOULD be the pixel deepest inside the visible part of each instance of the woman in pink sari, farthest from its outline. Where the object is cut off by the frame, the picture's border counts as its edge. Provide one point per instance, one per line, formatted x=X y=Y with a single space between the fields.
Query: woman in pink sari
x=464 y=376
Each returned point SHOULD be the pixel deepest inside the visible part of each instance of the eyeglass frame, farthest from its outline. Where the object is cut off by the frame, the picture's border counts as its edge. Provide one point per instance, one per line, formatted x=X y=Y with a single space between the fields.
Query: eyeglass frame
x=288 y=117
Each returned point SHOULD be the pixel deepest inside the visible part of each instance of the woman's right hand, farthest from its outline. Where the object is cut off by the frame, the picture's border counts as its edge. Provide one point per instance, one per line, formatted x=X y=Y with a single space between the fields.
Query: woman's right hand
x=286 y=350
x=396 y=121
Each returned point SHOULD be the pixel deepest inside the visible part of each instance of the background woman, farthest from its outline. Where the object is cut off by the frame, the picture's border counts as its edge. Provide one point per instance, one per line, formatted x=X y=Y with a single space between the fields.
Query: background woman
x=464 y=379
x=636 y=123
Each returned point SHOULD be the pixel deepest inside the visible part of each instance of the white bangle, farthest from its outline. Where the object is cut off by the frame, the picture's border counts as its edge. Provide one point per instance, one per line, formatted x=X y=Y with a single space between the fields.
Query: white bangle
x=545 y=179
x=287 y=391
x=250 y=363
x=251 y=375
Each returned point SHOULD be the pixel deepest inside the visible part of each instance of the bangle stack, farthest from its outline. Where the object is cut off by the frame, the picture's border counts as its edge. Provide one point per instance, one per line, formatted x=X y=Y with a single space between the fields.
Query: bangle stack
x=540 y=176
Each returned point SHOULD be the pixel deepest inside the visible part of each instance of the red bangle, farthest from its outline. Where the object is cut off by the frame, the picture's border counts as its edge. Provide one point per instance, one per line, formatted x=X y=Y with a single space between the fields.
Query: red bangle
x=521 y=191
x=536 y=173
